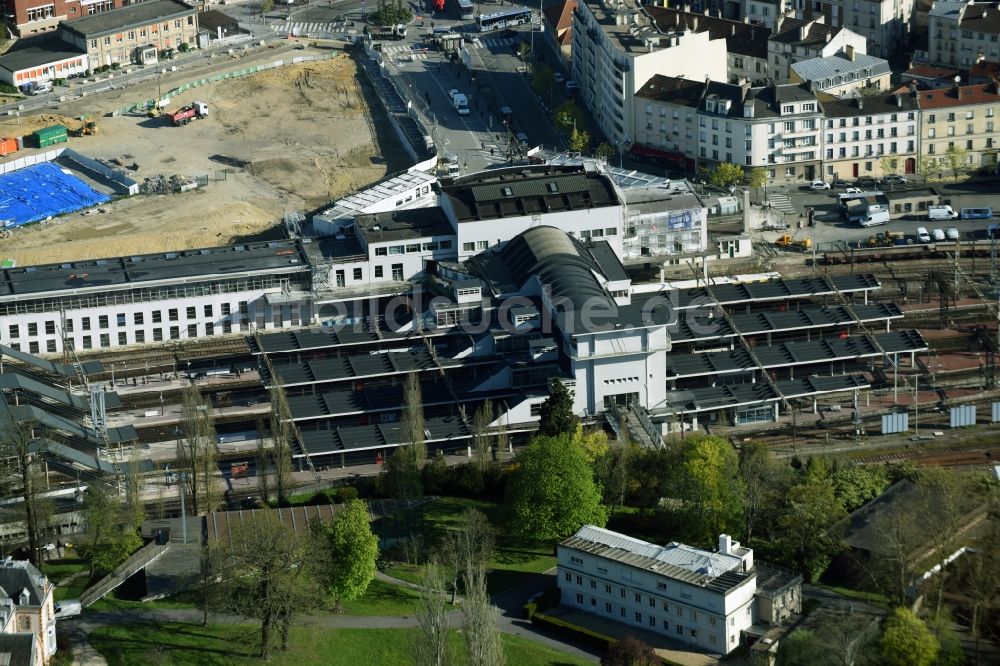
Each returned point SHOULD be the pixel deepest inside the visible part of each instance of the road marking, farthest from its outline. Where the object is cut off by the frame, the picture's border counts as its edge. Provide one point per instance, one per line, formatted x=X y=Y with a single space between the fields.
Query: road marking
x=782 y=202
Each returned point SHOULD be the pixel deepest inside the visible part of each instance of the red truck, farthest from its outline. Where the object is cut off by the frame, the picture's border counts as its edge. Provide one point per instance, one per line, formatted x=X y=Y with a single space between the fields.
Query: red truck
x=185 y=114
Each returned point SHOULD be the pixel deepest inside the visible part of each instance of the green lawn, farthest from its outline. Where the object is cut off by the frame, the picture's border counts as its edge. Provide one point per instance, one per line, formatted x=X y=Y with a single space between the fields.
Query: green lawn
x=514 y=560
x=384 y=599
x=223 y=645
x=62 y=570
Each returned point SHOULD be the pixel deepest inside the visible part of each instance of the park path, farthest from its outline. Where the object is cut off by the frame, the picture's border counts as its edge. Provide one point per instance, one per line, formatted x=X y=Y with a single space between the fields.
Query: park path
x=510 y=603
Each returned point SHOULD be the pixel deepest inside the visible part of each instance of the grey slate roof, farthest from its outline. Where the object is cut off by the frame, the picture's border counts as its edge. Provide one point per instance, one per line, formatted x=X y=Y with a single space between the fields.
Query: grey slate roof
x=901 y=102
x=18 y=575
x=325 y=337
x=135 y=15
x=60 y=369
x=403 y=224
x=824 y=71
x=361 y=366
x=18 y=649
x=36 y=51
x=766 y=100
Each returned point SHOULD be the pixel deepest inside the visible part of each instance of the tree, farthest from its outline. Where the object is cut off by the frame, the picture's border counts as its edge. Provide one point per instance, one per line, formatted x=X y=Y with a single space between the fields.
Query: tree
x=568 y=116
x=209 y=570
x=907 y=641
x=23 y=466
x=552 y=492
x=110 y=534
x=727 y=175
x=412 y=418
x=855 y=485
x=757 y=178
x=759 y=485
x=899 y=535
x=543 y=80
x=133 y=491
x=432 y=648
x=482 y=440
x=928 y=167
x=888 y=164
x=196 y=452
x=604 y=151
x=266 y=6
x=266 y=580
x=282 y=433
x=480 y=617
x=264 y=460
x=347 y=550
x=593 y=444
x=801 y=648
x=470 y=544
x=710 y=473
x=630 y=651
x=401 y=474
x=950 y=652
x=812 y=508
x=579 y=140
x=956 y=159
x=556 y=413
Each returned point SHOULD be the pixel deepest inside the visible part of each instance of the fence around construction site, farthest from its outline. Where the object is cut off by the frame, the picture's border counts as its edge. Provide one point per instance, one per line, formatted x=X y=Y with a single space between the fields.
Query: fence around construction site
x=144 y=105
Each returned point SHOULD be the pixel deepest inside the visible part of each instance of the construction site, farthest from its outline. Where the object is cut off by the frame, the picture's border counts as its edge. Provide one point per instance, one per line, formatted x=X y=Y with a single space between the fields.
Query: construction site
x=289 y=139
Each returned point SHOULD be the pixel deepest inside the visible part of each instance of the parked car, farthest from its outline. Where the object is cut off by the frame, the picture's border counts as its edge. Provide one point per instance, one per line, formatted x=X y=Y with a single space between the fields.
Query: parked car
x=922 y=235
x=818 y=185
x=951 y=233
x=938 y=235
x=893 y=179
x=853 y=190
x=840 y=183
x=867 y=182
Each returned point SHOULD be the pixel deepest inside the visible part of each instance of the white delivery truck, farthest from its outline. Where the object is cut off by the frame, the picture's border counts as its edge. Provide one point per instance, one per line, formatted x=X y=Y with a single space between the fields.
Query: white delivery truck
x=941 y=213
x=875 y=218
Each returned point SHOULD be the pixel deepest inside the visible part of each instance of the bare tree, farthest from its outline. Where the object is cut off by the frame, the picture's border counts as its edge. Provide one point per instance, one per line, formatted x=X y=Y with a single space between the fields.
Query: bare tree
x=263 y=463
x=899 y=535
x=482 y=637
x=467 y=546
x=432 y=648
x=267 y=582
x=412 y=418
x=133 y=490
x=482 y=440
x=196 y=451
x=282 y=434
x=16 y=449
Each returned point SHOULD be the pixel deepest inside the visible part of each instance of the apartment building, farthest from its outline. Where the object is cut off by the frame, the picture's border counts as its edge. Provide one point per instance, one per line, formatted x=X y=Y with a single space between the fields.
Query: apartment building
x=794 y=40
x=706 y=599
x=777 y=127
x=885 y=24
x=27 y=614
x=617 y=48
x=843 y=73
x=135 y=33
x=746 y=44
x=871 y=136
x=29 y=17
x=962 y=32
x=963 y=119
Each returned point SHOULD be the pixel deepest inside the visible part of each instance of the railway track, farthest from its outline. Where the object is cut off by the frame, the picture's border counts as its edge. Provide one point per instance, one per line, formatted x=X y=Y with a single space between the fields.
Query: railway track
x=173 y=356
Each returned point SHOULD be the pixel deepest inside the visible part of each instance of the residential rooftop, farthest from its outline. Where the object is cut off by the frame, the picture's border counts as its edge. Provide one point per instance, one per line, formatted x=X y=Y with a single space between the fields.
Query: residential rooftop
x=803 y=33
x=129 y=16
x=695 y=566
x=741 y=38
x=766 y=101
x=840 y=69
x=898 y=102
x=983 y=93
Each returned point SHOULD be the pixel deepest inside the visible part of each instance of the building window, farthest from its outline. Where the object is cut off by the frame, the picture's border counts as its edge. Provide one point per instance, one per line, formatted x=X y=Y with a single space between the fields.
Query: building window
x=579 y=580
x=86 y=342
x=607 y=606
x=140 y=337
x=579 y=598
x=102 y=321
x=105 y=340
x=593 y=584
x=175 y=333
x=638 y=617
x=569 y=577
x=381 y=251
x=607 y=589
x=378 y=271
x=172 y=314
x=122 y=338
x=357 y=274
x=397 y=272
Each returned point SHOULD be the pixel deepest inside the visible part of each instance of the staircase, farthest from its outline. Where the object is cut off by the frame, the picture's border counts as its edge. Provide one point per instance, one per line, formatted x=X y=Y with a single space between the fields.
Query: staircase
x=125 y=570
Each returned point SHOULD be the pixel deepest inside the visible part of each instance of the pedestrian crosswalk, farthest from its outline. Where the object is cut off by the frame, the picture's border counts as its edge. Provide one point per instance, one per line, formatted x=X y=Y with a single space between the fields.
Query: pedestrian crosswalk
x=397 y=50
x=498 y=42
x=781 y=202
x=298 y=28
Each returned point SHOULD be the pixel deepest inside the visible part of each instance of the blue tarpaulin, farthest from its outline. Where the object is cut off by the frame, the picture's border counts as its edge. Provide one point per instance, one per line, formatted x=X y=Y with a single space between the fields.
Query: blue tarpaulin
x=44 y=190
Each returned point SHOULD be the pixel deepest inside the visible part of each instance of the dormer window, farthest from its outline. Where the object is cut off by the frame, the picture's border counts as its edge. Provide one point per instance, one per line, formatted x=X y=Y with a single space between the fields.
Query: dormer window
x=788 y=108
x=24 y=597
x=552 y=187
x=506 y=191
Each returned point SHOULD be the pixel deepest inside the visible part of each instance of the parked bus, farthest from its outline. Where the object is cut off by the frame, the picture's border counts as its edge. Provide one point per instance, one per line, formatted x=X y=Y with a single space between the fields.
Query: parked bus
x=976 y=213
x=501 y=20
x=466 y=9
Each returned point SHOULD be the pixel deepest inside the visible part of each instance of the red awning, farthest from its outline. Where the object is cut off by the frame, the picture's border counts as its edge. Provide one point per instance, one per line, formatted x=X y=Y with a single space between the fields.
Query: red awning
x=647 y=151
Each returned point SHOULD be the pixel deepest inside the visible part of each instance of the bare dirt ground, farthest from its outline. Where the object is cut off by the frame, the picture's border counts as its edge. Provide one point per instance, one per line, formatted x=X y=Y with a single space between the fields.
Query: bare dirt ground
x=305 y=132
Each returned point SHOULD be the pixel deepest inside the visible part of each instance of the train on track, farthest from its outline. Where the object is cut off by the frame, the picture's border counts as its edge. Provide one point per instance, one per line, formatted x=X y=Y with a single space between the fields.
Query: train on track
x=864 y=253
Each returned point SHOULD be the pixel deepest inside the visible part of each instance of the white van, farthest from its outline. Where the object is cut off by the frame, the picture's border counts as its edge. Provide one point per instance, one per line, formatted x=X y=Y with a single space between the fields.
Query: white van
x=875 y=218
x=941 y=213
x=68 y=608
x=922 y=235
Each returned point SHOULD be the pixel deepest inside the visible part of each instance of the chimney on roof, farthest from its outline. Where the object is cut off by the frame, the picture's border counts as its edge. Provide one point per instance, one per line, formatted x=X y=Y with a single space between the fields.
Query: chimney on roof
x=705 y=13
x=732 y=30
x=898 y=98
x=777 y=23
x=860 y=101
x=694 y=23
x=725 y=544
x=913 y=88
x=848 y=51
x=744 y=89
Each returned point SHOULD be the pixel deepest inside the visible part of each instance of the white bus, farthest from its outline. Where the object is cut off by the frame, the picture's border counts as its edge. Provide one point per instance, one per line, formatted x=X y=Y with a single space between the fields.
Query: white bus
x=501 y=20
x=466 y=9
